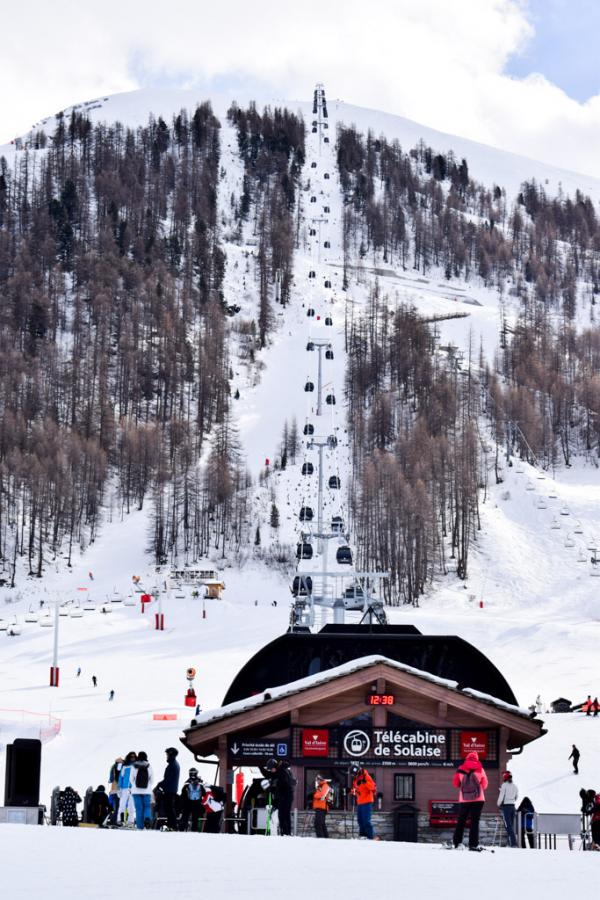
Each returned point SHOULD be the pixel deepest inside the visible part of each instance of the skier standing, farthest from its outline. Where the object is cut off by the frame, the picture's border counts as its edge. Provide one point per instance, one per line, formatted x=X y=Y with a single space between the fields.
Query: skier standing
x=111 y=696
x=574 y=755
x=595 y=822
x=94 y=681
x=364 y=790
x=126 y=807
x=79 y=671
x=471 y=781
x=191 y=802
x=99 y=807
x=596 y=706
x=141 y=790
x=320 y=804
x=282 y=784
x=171 y=787
x=507 y=799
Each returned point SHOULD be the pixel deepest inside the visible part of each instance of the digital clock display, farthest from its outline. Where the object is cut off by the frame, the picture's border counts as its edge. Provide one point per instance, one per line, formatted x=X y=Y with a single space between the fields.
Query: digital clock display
x=380 y=699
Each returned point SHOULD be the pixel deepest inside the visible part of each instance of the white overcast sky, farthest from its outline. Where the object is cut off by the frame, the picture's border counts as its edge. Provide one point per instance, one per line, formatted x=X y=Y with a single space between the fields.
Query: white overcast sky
x=440 y=62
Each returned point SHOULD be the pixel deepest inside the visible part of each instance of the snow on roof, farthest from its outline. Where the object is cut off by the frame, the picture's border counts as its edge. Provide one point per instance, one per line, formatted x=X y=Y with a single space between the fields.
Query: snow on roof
x=355 y=665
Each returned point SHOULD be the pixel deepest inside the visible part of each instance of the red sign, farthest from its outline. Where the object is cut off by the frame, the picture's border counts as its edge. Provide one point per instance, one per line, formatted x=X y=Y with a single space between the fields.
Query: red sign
x=474 y=741
x=315 y=742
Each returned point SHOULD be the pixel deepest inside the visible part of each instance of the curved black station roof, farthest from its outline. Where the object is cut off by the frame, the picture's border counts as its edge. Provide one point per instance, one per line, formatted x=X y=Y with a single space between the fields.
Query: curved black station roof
x=296 y=655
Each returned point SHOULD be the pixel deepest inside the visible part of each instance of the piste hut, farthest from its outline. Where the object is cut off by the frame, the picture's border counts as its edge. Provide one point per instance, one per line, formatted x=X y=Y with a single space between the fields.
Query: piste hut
x=409 y=726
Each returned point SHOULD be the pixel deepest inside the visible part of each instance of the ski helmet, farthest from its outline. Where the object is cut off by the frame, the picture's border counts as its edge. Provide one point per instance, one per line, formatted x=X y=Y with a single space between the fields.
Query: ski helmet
x=353 y=769
x=271 y=765
x=193 y=773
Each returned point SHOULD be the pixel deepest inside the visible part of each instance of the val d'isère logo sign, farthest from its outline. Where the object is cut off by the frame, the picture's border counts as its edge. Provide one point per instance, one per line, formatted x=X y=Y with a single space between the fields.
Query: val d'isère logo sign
x=357 y=743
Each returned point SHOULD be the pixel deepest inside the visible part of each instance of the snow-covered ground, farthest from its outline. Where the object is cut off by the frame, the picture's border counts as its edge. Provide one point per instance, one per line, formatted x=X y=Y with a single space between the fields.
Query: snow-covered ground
x=144 y=865
x=540 y=619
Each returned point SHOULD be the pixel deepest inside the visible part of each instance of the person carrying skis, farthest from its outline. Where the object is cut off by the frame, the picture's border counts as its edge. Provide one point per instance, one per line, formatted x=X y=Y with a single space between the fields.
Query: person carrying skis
x=126 y=805
x=320 y=804
x=363 y=790
x=281 y=785
x=191 y=802
x=471 y=781
x=575 y=755
x=171 y=787
x=141 y=790
x=507 y=799
x=596 y=706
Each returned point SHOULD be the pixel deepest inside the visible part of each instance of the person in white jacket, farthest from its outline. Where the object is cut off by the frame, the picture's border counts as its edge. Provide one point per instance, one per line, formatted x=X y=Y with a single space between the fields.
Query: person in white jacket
x=507 y=800
x=141 y=790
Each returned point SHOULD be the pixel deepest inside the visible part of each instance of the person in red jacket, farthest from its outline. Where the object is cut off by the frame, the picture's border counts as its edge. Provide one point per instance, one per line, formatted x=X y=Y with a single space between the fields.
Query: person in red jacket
x=471 y=781
x=364 y=790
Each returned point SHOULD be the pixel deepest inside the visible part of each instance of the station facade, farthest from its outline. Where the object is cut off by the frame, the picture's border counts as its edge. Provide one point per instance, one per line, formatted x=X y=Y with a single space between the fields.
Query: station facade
x=409 y=728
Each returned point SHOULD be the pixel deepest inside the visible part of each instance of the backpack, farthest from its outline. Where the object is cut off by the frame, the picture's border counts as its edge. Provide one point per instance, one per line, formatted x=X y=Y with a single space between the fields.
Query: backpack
x=289 y=779
x=141 y=777
x=194 y=791
x=470 y=786
x=218 y=793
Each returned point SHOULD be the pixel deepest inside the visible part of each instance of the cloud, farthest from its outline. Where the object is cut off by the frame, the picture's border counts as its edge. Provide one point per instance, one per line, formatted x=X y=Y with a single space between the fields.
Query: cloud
x=439 y=62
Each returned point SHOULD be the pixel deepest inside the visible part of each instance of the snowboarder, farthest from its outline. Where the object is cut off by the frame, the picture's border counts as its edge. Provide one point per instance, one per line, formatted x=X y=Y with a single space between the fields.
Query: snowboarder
x=320 y=804
x=99 y=807
x=94 y=681
x=68 y=807
x=527 y=812
x=213 y=801
x=141 y=790
x=79 y=671
x=191 y=802
x=507 y=799
x=575 y=755
x=471 y=781
x=126 y=807
x=364 y=790
x=282 y=785
x=171 y=787
x=111 y=696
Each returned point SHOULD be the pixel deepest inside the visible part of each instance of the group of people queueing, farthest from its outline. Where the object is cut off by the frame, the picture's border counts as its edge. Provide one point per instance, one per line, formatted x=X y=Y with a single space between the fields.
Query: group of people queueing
x=471 y=781
x=134 y=798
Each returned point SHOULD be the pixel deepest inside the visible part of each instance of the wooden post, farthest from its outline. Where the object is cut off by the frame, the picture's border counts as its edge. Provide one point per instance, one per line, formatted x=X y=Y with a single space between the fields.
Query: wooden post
x=228 y=788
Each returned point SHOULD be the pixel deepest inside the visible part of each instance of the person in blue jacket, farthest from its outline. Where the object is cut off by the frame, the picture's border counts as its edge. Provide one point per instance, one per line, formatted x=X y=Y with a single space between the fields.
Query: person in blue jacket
x=126 y=804
x=171 y=787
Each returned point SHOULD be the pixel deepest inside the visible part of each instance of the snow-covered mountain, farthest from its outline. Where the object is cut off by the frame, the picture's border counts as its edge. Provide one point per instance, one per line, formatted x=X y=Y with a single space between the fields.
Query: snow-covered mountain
x=530 y=602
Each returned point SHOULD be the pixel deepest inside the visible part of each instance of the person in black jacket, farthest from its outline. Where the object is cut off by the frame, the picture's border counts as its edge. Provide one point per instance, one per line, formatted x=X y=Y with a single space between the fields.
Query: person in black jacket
x=574 y=755
x=527 y=813
x=191 y=802
x=67 y=805
x=99 y=807
x=283 y=783
x=170 y=784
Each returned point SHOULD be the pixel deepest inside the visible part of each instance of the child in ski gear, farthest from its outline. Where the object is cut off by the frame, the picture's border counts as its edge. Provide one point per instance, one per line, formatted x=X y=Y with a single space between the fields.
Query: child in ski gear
x=126 y=804
x=99 y=807
x=191 y=802
x=67 y=805
x=213 y=801
x=507 y=799
x=574 y=755
x=320 y=804
x=141 y=789
x=171 y=786
x=527 y=812
x=282 y=785
x=364 y=790
x=471 y=781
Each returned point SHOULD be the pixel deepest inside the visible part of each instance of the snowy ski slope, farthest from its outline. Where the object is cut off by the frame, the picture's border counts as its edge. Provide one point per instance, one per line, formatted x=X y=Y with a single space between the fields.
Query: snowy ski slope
x=540 y=619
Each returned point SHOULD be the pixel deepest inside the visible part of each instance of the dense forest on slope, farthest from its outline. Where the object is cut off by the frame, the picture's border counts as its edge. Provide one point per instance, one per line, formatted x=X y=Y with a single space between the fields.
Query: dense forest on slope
x=422 y=210
x=114 y=332
x=416 y=458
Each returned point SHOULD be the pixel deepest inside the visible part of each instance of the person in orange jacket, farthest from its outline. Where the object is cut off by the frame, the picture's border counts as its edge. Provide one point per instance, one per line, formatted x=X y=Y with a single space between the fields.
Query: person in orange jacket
x=364 y=790
x=321 y=800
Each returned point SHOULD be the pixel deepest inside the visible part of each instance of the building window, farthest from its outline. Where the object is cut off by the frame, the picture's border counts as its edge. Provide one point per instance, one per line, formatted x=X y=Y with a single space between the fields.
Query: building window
x=404 y=787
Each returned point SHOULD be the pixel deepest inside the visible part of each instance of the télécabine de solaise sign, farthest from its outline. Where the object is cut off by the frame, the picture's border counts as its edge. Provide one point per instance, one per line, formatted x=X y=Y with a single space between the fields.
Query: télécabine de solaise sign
x=424 y=745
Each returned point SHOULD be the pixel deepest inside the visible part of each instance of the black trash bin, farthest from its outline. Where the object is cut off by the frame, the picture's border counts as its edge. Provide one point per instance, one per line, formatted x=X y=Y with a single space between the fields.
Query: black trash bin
x=406 y=823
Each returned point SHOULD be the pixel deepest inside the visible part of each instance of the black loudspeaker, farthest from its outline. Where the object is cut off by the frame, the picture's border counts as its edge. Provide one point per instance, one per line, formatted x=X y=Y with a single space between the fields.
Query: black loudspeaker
x=22 y=782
